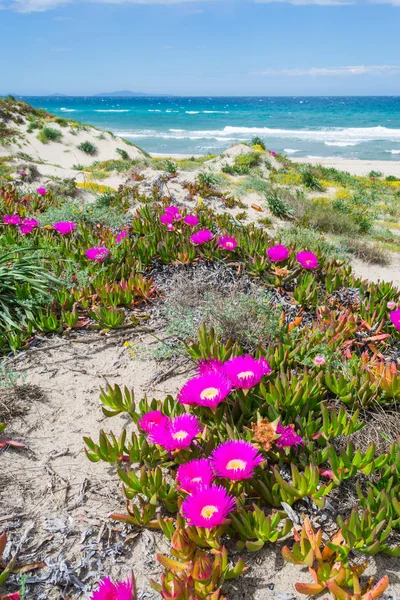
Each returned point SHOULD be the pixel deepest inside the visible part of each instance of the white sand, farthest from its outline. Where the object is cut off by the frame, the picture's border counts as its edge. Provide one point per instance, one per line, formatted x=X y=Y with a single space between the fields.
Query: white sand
x=355 y=166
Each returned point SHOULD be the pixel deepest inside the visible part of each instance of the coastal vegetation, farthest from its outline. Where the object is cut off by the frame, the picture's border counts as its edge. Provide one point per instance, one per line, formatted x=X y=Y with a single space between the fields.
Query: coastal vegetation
x=280 y=435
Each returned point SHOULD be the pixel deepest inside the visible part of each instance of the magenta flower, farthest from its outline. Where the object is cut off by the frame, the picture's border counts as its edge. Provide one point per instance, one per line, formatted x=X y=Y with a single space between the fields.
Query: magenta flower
x=208 y=506
x=201 y=237
x=208 y=389
x=227 y=243
x=191 y=220
x=235 y=460
x=64 y=227
x=11 y=219
x=174 y=212
x=278 y=253
x=170 y=227
x=98 y=254
x=391 y=305
x=152 y=419
x=194 y=474
x=41 y=191
x=177 y=434
x=308 y=260
x=166 y=219
x=288 y=436
x=120 y=590
x=320 y=360
x=245 y=372
x=209 y=366
x=395 y=318
x=121 y=236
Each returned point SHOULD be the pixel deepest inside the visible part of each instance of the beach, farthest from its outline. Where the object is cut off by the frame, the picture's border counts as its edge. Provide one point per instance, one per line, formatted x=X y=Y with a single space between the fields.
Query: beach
x=354 y=166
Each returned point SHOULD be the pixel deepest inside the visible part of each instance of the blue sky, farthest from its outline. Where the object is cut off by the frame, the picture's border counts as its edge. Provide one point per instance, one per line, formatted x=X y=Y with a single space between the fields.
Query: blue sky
x=208 y=47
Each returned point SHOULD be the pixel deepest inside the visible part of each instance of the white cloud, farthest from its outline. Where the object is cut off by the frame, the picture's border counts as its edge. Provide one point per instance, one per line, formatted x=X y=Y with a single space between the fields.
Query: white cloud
x=28 y=6
x=309 y=2
x=331 y=71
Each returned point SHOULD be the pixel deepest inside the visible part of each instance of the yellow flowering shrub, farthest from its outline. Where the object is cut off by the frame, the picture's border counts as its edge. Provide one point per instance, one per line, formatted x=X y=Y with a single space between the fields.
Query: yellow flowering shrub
x=96 y=188
x=258 y=148
x=291 y=178
x=343 y=194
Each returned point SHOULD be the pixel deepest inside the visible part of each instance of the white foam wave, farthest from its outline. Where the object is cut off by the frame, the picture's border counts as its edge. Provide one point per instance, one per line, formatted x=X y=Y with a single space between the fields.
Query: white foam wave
x=154 y=110
x=341 y=144
x=215 y=112
x=192 y=112
x=68 y=109
x=393 y=151
x=290 y=150
x=113 y=110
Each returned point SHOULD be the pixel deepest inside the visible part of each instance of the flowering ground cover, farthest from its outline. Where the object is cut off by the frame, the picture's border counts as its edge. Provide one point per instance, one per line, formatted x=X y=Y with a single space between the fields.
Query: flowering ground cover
x=267 y=435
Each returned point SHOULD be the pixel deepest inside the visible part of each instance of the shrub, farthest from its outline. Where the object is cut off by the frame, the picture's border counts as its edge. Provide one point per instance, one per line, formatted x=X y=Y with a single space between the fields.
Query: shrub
x=123 y=154
x=277 y=206
x=325 y=218
x=63 y=187
x=88 y=148
x=370 y=253
x=206 y=180
x=171 y=167
x=48 y=134
x=257 y=141
x=244 y=162
x=60 y=121
x=374 y=174
x=310 y=180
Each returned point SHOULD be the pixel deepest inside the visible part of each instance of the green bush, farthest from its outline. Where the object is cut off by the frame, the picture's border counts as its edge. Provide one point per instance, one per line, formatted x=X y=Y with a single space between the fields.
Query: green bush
x=277 y=206
x=322 y=217
x=48 y=134
x=244 y=162
x=257 y=141
x=88 y=148
x=62 y=122
x=123 y=154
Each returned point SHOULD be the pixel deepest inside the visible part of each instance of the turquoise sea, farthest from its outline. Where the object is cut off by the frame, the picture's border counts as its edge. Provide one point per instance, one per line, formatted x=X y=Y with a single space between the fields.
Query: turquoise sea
x=348 y=127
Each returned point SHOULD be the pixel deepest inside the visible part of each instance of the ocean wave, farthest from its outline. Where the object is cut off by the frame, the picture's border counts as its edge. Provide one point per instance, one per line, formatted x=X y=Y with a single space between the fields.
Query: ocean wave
x=290 y=150
x=192 y=112
x=68 y=109
x=215 y=112
x=393 y=151
x=113 y=110
x=154 y=110
x=341 y=144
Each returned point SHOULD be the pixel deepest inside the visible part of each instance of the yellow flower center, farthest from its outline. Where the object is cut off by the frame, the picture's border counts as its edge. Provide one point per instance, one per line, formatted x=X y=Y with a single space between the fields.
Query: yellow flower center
x=236 y=464
x=245 y=374
x=229 y=244
x=209 y=393
x=180 y=435
x=196 y=480
x=208 y=511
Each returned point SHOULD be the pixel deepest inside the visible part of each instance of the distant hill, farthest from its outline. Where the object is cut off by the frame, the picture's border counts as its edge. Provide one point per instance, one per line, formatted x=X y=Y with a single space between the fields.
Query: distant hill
x=123 y=93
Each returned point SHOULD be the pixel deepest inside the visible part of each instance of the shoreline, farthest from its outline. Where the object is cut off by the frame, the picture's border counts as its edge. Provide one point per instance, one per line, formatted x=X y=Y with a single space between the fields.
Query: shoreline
x=355 y=166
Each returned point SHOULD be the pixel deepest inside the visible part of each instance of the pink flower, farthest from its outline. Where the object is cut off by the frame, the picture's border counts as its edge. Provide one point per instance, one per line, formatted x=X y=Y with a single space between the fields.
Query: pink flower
x=288 y=436
x=120 y=590
x=194 y=474
x=227 y=243
x=64 y=227
x=11 y=219
x=208 y=389
x=166 y=219
x=235 y=460
x=201 y=237
x=391 y=305
x=98 y=254
x=170 y=227
x=121 y=236
x=150 y=420
x=177 y=434
x=395 y=318
x=319 y=360
x=191 y=220
x=208 y=506
x=245 y=372
x=209 y=366
x=41 y=191
x=174 y=212
x=308 y=260
x=278 y=253
x=13 y=596
x=28 y=225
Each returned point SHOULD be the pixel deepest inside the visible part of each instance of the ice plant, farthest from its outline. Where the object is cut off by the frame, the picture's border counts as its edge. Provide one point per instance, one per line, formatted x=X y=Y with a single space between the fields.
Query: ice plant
x=41 y=191
x=177 y=434
x=208 y=389
x=208 y=506
x=121 y=236
x=191 y=220
x=308 y=260
x=245 y=372
x=395 y=318
x=194 y=474
x=278 y=253
x=227 y=243
x=288 y=436
x=391 y=305
x=166 y=219
x=11 y=219
x=98 y=254
x=64 y=227
x=201 y=237
x=150 y=420
x=209 y=366
x=235 y=460
x=174 y=212
x=120 y=590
